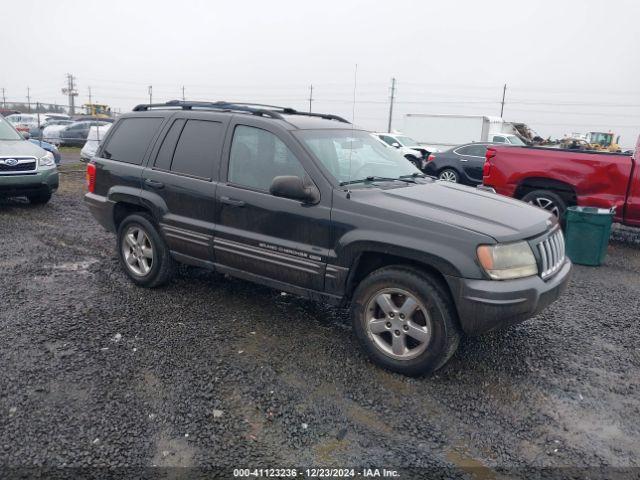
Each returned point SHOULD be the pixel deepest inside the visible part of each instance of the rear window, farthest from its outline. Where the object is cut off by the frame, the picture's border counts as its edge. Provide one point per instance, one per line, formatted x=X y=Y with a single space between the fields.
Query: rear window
x=131 y=139
x=198 y=148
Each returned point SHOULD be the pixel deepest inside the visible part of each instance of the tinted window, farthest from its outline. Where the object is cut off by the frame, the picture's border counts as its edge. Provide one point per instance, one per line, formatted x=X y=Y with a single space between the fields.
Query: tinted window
x=475 y=150
x=257 y=156
x=499 y=139
x=165 y=154
x=131 y=139
x=198 y=148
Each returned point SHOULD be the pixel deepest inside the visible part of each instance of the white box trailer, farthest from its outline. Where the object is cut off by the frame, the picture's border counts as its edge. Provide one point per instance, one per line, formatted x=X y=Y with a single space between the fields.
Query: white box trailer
x=441 y=132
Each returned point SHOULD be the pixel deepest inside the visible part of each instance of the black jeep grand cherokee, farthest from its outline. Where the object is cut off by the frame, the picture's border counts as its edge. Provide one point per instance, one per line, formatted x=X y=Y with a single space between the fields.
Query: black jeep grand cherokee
x=309 y=204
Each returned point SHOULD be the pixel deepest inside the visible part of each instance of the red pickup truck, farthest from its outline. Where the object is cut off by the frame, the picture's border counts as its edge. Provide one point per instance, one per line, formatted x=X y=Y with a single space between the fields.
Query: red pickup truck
x=555 y=179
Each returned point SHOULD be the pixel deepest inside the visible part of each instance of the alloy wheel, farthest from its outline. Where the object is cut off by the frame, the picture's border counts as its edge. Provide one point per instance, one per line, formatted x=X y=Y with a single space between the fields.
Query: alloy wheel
x=448 y=176
x=547 y=204
x=137 y=251
x=398 y=323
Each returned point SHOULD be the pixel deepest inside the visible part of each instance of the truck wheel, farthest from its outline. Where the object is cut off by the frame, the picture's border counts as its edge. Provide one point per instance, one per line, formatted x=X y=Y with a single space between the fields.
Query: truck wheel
x=405 y=320
x=143 y=253
x=39 y=198
x=449 y=175
x=548 y=200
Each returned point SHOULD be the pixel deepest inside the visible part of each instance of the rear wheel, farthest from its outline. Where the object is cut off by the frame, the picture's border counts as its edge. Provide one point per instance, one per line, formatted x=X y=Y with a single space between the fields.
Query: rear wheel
x=39 y=198
x=143 y=253
x=405 y=320
x=547 y=200
x=449 y=175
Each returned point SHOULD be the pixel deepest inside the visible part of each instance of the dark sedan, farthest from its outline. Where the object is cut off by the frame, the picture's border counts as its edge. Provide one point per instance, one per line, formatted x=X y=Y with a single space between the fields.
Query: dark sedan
x=75 y=135
x=461 y=164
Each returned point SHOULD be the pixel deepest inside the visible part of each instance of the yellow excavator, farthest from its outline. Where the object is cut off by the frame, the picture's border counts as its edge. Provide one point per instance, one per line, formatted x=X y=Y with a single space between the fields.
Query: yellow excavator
x=603 y=141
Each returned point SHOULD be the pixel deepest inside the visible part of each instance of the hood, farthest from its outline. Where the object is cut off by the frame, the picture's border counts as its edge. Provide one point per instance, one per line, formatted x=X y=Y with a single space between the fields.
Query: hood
x=499 y=217
x=10 y=148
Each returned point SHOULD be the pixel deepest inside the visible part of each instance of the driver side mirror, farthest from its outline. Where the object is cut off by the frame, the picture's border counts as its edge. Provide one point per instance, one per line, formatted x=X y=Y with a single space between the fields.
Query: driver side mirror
x=290 y=186
x=395 y=145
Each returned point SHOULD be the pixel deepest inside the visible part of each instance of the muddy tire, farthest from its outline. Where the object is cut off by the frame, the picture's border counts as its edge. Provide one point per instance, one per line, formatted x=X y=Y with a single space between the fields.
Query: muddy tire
x=143 y=253
x=405 y=320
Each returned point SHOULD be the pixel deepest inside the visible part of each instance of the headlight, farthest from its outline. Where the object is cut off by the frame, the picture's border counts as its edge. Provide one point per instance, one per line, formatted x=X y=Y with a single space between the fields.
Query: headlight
x=507 y=260
x=47 y=160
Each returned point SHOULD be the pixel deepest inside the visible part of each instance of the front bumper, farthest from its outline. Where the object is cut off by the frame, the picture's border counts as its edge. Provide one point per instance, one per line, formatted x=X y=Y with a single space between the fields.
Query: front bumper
x=43 y=181
x=485 y=305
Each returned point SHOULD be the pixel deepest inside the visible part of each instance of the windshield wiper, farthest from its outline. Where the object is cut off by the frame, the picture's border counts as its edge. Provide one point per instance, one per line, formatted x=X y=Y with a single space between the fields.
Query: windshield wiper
x=413 y=175
x=374 y=178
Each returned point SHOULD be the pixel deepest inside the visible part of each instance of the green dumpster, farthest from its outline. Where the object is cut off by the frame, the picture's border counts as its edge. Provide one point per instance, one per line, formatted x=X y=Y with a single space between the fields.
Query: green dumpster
x=587 y=234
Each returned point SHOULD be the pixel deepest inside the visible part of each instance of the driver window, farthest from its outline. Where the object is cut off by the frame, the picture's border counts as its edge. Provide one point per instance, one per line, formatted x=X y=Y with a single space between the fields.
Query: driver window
x=258 y=156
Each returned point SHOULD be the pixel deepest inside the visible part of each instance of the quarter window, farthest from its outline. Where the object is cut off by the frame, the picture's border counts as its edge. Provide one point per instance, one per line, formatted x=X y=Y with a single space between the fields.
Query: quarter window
x=131 y=139
x=258 y=156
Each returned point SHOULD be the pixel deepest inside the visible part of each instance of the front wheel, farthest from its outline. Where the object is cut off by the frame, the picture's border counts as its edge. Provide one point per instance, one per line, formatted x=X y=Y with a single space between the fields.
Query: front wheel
x=405 y=320
x=143 y=253
x=415 y=161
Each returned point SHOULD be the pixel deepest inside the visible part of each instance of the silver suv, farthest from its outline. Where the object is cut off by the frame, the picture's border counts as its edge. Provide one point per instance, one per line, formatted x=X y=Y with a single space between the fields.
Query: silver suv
x=25 y=169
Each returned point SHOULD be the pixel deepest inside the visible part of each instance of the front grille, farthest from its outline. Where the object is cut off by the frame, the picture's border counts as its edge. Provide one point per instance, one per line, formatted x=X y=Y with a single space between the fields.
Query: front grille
x=552 y=253
x=9 y=165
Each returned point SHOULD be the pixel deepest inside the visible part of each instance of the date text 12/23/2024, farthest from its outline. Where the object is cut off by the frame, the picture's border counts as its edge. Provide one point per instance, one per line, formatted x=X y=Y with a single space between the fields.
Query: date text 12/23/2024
x=309 y=473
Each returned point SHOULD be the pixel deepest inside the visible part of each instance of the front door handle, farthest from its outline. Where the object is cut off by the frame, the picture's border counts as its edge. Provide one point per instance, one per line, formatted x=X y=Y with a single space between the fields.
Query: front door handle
x=232 y=201
x=153 y=183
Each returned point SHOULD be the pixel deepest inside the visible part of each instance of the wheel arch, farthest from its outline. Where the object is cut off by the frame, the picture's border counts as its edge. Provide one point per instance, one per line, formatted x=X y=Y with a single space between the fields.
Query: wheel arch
x=530 y=184
x=372 y=257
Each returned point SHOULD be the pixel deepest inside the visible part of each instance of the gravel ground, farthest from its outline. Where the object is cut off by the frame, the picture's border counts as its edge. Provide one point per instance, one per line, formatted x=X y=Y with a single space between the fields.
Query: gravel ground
x=211 y=371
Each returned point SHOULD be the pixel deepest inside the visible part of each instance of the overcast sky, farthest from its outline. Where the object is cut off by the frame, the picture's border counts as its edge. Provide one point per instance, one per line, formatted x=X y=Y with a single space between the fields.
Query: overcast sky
x=570 y=66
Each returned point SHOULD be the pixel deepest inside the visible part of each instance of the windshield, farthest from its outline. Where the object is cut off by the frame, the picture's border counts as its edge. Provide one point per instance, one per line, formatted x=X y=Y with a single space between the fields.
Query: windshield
x=515 y=140
x=354 y=155
x=406 y=141
x=7 y=132
x=603 y=139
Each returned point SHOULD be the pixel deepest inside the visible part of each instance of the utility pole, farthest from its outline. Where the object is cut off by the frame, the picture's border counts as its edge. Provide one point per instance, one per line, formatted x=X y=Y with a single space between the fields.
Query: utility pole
x=393 y=97
x=90 y=102
x=310 y=97
x=29 y=99
x=183 y=93
x=4 y=99
x=70 y=90
x=150 y=94
x=504 y=92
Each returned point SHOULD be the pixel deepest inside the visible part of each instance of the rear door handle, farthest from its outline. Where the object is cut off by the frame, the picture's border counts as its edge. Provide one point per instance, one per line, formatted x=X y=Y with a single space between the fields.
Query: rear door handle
x=153 y=183
x=232 y=201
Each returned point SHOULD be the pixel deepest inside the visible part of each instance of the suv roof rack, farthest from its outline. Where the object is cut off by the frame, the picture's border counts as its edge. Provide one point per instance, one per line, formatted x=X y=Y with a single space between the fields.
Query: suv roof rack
x=272 y=111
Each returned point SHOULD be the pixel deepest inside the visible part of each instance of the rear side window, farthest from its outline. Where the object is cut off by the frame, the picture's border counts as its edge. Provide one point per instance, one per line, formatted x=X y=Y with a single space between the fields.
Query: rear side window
x=131 y=139
x=165 y=154
x=198 y=148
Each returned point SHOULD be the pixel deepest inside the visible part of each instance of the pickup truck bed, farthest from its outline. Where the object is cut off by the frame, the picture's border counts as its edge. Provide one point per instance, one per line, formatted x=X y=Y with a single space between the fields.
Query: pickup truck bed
x=575 y=177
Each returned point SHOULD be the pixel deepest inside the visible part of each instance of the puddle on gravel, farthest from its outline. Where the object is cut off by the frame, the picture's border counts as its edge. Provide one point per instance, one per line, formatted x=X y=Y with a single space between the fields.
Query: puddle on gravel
x=471 y=466
x=78 y=267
